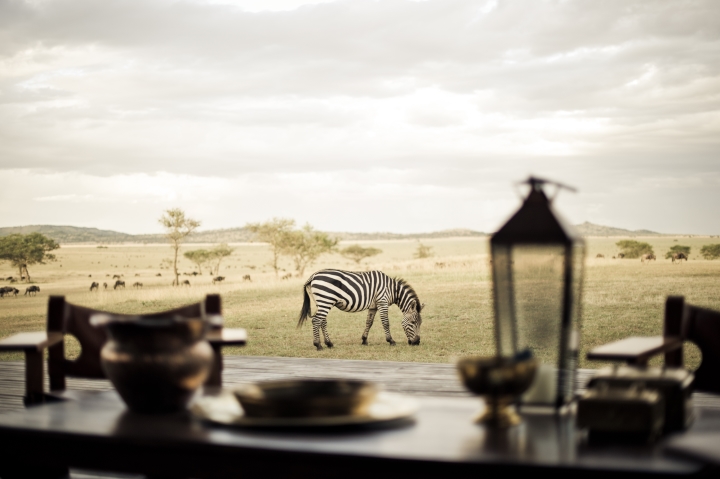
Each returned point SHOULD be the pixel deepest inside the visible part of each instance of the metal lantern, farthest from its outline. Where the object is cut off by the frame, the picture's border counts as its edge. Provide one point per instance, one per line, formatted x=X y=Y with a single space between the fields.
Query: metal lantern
x=537 y=265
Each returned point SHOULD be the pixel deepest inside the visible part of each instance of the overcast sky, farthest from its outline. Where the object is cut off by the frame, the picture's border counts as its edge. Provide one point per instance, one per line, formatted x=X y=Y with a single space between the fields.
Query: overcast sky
x=358 y=115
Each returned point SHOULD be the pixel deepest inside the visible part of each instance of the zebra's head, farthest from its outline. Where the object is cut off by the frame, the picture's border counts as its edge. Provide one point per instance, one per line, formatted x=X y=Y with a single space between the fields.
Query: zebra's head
x=411 y=321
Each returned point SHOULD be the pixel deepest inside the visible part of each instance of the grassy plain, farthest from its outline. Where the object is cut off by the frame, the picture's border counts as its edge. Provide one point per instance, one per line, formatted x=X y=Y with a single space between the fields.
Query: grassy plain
x=621 y=297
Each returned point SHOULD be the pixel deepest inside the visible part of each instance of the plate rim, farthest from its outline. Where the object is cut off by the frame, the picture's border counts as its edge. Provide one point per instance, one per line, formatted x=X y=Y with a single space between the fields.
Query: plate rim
x=311 y=422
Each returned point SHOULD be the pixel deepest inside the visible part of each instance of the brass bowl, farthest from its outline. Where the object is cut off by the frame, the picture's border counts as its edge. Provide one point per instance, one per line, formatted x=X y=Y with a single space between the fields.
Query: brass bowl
x=306 y=398
x=500 y=380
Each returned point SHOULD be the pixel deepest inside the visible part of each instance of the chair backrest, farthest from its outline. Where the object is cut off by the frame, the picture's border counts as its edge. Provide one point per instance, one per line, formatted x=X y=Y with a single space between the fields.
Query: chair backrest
x=72 y=319
x=702 y=327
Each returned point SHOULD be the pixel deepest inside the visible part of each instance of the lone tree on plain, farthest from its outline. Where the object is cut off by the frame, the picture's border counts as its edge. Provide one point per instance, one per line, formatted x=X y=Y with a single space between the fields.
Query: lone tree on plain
x=710 y=251
x=634 y=249
x=199 y=257
x=22 y=250
x=678 y=249
x=273 y=232
x=218 y=253
x=357 y=253
x=304 y=246
x=177 y=228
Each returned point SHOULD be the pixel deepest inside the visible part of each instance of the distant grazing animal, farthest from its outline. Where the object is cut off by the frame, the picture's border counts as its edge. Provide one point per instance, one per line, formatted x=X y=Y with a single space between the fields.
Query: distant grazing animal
x=621 y=255
x=137 y=285
x=12 y=280
x=218 y=279
x=647 y=258
x=679 y=257
x=359 y=291
x=9 y=278
x=107 y=275
x=158 y=274
x=247 y=278
x=613 y=257
x=105 y=285
x=94 y=286
x=117 y=276
x=137 y=274
x=440 y=265
x=186 y=282
x=119 y=284
x=8 y=290
x=287 y=276
x=89 y=276
x=599 y=255
x=194 y=273
x=32 y=290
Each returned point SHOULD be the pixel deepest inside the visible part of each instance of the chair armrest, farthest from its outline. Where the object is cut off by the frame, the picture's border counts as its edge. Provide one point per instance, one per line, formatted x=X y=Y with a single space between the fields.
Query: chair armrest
x=635 y=349
x=34 y=341
x=227 y=337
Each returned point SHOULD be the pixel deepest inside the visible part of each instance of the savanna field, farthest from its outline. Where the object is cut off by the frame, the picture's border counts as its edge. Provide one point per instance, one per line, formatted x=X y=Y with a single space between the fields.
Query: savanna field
x=622 y=297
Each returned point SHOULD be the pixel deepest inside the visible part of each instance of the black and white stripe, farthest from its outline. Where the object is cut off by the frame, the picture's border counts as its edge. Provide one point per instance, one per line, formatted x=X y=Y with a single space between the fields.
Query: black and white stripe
x=359 y=291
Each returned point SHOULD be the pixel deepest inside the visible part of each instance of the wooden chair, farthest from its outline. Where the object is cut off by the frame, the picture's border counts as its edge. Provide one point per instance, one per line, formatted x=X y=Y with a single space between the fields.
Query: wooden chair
x=66 y=318
x=683 y=322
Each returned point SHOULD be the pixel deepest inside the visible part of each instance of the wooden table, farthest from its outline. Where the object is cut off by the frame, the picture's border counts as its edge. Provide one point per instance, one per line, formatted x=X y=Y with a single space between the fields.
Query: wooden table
x=97 y=432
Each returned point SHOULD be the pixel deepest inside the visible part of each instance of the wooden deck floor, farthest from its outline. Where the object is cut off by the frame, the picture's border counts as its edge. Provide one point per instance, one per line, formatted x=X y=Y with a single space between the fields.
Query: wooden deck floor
x=431 y=379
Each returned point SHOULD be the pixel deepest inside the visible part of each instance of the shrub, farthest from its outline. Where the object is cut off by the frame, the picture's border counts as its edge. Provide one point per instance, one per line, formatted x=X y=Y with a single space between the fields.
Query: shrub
x=634 y=249
x=710 y=251
x=678 y=249
x=423 y=251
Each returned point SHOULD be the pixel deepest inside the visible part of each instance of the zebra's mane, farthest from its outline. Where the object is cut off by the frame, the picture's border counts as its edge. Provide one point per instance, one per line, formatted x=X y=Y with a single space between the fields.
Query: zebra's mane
x=411 y=292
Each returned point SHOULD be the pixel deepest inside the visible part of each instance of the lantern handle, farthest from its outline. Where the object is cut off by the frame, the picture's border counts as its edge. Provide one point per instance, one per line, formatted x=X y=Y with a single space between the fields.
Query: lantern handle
x=537 y=183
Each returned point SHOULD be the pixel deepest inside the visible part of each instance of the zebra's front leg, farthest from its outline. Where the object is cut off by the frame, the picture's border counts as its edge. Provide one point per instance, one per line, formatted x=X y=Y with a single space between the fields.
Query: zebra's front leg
x=368 y=325
x=386 y=323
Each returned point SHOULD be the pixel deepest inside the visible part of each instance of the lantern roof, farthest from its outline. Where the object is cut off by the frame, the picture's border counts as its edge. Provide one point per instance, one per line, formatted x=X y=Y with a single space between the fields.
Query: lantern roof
x=536 y=221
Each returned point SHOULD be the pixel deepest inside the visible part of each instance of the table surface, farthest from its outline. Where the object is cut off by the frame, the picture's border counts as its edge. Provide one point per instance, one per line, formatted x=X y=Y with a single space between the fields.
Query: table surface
x=97 y=431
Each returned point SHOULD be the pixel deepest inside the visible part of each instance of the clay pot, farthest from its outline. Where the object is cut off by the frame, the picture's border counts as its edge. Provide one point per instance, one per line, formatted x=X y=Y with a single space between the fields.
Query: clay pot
x=156 y=364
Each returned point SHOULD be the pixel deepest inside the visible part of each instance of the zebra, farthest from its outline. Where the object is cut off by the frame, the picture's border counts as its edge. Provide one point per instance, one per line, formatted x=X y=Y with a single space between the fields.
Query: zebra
x=357 y=291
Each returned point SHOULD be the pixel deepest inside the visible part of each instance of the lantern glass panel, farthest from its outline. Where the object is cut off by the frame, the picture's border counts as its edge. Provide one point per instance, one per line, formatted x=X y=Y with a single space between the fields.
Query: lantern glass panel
x=537 y=288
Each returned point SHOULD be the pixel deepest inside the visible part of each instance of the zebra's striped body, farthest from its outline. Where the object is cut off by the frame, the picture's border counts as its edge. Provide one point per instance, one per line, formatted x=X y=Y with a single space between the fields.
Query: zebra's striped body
x=359 y=291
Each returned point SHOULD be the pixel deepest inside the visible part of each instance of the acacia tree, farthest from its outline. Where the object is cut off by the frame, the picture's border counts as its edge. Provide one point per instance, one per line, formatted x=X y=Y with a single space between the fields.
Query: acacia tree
x=199 y=257
x=305 y=245
x=177 y=228
x=22 y=250
x=634 y=249
x=274 y=233
x=357 y=253
x=218 y=253
x=710 y=251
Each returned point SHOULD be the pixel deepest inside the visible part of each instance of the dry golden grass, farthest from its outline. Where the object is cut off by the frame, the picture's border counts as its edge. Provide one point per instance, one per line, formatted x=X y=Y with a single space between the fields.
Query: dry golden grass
x=621 y=297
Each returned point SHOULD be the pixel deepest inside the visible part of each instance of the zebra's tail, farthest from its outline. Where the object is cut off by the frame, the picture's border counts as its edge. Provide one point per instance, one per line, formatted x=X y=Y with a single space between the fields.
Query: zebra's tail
x=305 y=312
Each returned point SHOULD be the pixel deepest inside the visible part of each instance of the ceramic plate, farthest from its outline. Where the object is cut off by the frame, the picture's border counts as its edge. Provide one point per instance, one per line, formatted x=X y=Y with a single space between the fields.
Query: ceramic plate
x=225 y=409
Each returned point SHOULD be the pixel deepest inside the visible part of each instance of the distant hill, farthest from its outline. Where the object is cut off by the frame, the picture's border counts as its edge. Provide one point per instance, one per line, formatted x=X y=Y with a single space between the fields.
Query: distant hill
x=75 y=234
x=453 y=233
x=590 y=229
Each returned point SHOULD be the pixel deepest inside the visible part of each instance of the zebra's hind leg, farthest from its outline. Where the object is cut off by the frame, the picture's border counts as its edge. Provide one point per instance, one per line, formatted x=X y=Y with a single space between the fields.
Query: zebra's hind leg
x=323 y=326
x=316 y=332
x=368 y=325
